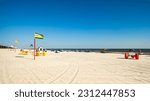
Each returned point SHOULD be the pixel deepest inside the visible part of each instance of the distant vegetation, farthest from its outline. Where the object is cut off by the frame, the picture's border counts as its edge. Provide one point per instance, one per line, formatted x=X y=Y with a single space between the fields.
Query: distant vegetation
x=2 y=46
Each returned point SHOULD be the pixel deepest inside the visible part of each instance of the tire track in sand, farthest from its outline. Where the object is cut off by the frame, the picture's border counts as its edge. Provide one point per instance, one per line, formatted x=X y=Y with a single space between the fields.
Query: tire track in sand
x=67 y=76
x=6 y=78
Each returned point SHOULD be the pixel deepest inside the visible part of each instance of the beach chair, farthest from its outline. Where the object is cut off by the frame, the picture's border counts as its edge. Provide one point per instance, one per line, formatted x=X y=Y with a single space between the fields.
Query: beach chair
x=23 y=53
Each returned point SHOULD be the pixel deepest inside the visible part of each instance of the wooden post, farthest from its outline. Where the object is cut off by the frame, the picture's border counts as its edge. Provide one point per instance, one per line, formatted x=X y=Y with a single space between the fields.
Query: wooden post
x=34 y=48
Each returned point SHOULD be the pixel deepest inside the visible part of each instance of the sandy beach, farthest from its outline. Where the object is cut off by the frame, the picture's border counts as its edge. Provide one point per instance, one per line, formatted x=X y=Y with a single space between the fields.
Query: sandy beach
x=73 y=68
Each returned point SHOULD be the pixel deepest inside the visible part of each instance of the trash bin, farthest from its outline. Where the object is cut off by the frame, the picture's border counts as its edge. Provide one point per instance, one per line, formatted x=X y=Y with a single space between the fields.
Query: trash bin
x=38 y=53
x=44 y=53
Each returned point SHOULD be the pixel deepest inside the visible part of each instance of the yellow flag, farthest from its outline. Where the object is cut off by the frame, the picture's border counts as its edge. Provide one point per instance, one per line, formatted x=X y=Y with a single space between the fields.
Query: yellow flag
x=38 y=36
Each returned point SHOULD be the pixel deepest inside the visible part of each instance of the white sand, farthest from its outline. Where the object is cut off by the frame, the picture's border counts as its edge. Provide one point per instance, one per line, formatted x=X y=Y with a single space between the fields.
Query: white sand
x=73 y=67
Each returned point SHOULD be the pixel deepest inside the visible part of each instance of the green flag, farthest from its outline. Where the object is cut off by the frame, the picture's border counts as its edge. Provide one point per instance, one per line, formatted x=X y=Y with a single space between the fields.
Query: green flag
x=38 y=36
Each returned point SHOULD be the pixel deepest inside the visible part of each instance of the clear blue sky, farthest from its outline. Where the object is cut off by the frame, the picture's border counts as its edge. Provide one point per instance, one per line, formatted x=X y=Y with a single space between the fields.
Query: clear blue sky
x=76 y=23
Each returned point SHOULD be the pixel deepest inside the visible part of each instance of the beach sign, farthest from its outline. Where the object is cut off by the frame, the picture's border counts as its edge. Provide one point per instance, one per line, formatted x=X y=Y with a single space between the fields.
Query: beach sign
x=37 y=36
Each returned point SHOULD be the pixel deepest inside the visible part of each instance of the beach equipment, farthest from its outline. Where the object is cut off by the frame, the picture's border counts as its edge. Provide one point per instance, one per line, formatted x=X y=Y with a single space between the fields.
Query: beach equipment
x=126 y=55
x=41 y=54
x=136 y=56
x=40 y=51
x=104 y=50
x=131 y=54
x=44 y=53
x=37 y=36
x=22 y=52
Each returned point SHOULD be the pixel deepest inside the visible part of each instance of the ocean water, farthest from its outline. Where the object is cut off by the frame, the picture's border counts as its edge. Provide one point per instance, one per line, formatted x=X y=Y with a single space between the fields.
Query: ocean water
x=144 y=51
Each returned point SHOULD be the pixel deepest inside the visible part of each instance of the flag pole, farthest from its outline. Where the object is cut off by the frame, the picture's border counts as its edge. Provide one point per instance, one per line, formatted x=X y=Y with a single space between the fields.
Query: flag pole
x=34 y=47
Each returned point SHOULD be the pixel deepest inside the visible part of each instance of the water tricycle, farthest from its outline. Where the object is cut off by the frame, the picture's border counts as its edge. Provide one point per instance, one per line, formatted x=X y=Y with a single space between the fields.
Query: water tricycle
x=23 y=52
x=40 y=52
x=132 y=53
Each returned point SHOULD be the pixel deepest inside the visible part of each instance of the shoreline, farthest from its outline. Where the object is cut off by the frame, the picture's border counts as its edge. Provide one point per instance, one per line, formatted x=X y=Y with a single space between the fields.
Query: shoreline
x=119 y=51
x=115 y=51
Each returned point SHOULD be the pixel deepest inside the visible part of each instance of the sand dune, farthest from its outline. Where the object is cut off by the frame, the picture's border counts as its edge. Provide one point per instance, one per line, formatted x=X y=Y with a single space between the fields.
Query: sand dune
x=72 y=67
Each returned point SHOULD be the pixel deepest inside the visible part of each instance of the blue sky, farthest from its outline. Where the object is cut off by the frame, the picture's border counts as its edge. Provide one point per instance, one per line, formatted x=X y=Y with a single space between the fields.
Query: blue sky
x=76 y=23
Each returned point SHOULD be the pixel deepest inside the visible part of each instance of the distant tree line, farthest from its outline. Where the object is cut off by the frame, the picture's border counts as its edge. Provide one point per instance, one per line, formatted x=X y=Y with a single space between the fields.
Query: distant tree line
x=2 y=46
